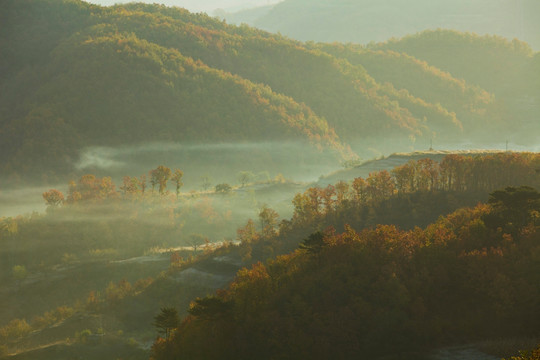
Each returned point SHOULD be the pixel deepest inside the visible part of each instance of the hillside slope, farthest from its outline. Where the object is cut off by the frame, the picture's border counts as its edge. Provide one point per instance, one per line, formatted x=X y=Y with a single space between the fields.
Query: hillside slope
x=76 y=75
x=380 y=292
x=508 y=69
x=88 y=84
x=346 y=95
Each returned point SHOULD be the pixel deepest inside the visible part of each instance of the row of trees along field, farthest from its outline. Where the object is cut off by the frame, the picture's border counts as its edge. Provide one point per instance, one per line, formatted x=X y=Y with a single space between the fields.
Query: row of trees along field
x=471 y=275
x=90 y=187
x=95 y=216
x=453 y=173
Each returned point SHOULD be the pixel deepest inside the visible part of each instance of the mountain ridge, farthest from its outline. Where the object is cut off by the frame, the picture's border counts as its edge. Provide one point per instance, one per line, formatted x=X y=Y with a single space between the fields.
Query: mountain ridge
x=151 y=73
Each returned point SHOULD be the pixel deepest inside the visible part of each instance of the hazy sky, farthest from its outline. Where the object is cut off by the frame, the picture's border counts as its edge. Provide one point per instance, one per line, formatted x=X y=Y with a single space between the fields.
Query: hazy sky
x=198 y=5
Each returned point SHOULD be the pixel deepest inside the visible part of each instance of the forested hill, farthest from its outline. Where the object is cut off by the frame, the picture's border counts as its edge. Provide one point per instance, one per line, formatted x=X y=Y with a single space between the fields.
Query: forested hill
x=507 y=69
x=492 y=62
x=359 y=271
x=74 y=75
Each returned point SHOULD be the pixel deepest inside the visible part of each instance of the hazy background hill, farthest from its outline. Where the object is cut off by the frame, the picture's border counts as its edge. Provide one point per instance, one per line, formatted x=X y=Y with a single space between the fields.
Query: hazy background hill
x=509 y=70
x=363 y=21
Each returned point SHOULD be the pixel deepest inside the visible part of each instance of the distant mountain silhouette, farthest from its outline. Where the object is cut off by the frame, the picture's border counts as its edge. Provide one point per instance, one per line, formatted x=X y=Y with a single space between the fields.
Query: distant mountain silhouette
x=363 y=21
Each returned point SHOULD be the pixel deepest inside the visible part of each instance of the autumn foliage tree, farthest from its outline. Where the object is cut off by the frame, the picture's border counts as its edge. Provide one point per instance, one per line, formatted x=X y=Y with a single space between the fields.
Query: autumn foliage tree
x=527 y=355
x=130 y=185
x=160 y=176
x=177 y=179
x=53 y=197
x=90 y=187
x=269 y=219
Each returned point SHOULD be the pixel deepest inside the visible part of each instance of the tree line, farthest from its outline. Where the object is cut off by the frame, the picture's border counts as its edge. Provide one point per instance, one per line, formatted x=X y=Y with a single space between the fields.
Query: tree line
x=455 y=173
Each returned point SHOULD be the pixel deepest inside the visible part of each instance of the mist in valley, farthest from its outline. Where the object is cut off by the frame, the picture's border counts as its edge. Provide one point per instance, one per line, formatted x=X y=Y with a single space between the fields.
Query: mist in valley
x=220 y=162
x=25 y=200
x=204 y=166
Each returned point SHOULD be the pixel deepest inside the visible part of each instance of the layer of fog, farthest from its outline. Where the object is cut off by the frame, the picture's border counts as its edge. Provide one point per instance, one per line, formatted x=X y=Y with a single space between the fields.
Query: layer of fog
x=527 y=140
x=128 y=226
x=14 y=202
x=222 y=163
x=218 y=163
x=204 y=166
